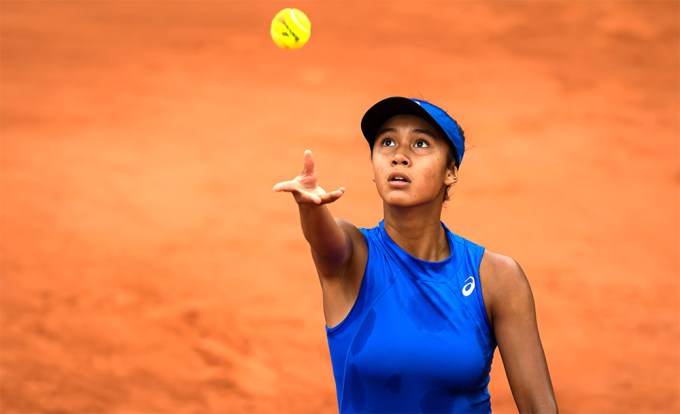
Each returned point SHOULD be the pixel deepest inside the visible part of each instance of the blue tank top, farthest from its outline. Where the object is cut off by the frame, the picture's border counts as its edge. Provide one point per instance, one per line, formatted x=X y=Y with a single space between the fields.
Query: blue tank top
x=417 y=338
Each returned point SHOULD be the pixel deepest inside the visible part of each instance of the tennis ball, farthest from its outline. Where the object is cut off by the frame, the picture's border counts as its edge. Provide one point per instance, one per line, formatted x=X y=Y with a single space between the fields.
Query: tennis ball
x=290 y=29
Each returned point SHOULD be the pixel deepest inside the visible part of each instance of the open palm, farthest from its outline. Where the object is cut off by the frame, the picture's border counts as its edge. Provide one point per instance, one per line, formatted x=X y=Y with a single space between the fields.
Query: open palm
x=305 y=188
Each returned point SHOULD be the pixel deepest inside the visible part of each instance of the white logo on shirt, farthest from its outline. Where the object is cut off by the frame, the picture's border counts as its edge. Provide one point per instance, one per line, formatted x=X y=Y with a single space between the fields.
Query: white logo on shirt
x=469 y=286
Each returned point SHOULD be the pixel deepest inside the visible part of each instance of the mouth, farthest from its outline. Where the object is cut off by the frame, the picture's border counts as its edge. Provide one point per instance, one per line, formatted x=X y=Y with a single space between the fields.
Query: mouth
x=398 y=179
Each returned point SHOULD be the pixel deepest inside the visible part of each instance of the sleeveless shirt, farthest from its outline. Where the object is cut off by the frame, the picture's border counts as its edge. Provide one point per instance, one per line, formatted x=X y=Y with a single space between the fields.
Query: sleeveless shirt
x=417 y=339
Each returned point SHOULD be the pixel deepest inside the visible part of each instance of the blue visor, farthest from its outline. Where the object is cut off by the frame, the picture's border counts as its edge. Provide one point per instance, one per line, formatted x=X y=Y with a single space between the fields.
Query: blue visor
x=398 y=105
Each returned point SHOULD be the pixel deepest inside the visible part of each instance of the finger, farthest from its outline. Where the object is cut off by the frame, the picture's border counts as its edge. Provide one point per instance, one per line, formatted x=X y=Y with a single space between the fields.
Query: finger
x=285 y=186
x=333 y=196
x=308 y=163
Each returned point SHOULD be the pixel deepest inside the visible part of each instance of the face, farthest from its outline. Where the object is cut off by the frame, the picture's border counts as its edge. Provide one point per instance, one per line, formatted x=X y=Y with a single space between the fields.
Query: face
x=410 y=162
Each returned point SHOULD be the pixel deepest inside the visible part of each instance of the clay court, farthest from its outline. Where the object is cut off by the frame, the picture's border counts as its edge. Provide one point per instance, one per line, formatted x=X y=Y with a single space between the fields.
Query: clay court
x=147 y=266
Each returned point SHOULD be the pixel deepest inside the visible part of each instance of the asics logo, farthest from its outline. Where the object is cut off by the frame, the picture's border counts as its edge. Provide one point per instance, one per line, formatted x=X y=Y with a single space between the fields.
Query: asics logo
x=469 y=286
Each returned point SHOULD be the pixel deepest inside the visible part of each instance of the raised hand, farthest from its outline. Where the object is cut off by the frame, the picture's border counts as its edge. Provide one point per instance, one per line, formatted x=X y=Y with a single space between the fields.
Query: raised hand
x=304 y=187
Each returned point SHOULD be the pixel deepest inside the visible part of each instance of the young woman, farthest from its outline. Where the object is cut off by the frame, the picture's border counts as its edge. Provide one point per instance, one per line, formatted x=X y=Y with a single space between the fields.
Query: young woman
x=413 y=311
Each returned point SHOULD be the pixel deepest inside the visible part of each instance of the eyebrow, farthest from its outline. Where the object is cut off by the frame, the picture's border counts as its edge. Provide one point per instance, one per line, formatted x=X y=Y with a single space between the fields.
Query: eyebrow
x=416 y=130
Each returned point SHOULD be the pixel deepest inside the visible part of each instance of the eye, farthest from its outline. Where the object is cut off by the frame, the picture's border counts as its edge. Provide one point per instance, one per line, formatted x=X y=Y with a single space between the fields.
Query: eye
x=387 y=142
x=421 y=143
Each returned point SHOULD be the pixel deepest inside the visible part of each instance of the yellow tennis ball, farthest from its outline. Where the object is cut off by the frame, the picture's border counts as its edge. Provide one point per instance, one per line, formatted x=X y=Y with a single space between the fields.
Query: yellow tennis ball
x=290 y=29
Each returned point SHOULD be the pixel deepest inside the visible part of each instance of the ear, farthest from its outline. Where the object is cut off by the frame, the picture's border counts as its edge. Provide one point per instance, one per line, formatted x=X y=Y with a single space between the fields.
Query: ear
x=451 y=175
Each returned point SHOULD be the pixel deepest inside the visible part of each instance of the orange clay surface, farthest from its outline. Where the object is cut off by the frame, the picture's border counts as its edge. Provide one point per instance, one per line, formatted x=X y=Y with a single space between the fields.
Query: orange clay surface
x=147 y=266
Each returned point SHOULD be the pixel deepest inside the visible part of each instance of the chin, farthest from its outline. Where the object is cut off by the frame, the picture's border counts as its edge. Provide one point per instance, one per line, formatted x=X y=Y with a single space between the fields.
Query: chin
x=400 y=200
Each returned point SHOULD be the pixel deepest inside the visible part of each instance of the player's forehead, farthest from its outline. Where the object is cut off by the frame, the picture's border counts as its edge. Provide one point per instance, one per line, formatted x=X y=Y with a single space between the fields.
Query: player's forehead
x=409 y=123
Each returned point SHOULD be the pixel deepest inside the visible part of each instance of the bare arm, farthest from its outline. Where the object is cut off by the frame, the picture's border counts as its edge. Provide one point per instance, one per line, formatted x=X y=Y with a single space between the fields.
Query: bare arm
x=513 y=315
x=331 y=246
x=338 y=247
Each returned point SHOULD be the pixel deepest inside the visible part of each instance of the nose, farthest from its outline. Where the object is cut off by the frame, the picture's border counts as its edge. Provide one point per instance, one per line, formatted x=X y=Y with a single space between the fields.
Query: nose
x=400 y=159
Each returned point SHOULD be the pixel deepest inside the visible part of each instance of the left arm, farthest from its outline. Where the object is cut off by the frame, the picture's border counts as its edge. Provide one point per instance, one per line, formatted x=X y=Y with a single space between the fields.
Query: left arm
x=511 y=309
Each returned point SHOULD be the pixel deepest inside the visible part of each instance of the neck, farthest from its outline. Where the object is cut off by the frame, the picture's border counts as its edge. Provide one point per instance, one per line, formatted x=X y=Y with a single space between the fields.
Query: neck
x=418 y=231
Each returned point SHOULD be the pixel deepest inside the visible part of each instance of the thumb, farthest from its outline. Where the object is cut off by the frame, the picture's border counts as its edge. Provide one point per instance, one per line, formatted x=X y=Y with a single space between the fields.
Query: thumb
x=308 y=163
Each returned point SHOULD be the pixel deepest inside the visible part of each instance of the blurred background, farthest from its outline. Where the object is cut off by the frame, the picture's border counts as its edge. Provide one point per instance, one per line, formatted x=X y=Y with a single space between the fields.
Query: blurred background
x=147 y=266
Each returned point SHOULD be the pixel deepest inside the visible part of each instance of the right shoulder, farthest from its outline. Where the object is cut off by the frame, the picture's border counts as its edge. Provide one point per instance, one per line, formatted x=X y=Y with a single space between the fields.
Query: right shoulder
x=359 y=244
x=340 y=293
x=350 y=229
